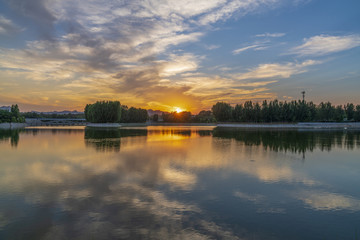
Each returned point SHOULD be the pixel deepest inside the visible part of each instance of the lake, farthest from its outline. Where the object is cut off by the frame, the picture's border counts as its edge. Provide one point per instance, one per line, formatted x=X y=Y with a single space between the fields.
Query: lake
x=179 y=183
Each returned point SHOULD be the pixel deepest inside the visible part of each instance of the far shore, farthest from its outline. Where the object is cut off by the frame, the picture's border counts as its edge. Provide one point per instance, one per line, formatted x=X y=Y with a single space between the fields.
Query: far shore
x=7 y=126
x=302 y=125
x=104 y=125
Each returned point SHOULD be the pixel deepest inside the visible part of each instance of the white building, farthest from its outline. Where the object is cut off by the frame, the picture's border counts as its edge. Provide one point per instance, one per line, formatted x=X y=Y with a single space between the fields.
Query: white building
x=6 y=108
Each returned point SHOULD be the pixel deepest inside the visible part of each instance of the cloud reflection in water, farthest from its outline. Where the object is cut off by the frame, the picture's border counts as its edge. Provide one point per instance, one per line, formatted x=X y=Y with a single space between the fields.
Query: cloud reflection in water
x=156 y=182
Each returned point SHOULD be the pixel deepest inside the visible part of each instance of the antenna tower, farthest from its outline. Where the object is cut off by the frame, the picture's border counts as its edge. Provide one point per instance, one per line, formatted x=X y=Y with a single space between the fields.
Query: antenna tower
x=303 y=95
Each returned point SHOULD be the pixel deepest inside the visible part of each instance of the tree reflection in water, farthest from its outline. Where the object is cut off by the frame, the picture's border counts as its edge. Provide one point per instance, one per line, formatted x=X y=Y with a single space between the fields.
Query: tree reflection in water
x=298 y=141
x=13 y=135
x=109 y=139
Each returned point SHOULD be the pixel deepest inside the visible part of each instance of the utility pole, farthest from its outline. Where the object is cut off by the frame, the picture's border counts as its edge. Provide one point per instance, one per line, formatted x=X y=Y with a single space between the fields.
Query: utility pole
x=303 y=95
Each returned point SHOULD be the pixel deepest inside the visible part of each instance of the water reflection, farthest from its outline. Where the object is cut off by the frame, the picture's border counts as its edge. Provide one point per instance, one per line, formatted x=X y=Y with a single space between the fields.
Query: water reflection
x=292 y=141
x=187 y=183
x=13 y=135
x=109 y=139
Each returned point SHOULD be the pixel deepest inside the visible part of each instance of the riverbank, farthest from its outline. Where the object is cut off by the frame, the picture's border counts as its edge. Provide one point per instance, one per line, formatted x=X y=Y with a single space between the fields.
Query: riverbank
x=305 y=125
x=82 y=122
x=35 y=122
x=12 y=125
x=104 y=125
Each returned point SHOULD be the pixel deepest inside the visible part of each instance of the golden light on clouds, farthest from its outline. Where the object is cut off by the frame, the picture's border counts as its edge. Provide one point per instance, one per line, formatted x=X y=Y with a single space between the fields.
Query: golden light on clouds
x=165 y=55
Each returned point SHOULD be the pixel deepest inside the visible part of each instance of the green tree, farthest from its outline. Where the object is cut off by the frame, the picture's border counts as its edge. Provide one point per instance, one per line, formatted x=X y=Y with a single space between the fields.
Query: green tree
x=248 y=112
x=325 y=112
x=204 y=117
x=357 y=113
x=15 y=111
x=339 y=114
x=265 y=115
x=349 y=110
x=257 y=112
x=222 y=111
x=103 y=112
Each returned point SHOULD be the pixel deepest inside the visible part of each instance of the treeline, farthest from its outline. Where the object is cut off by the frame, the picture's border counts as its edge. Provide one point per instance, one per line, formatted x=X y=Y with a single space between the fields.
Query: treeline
x=186 y=117
x=103 y=112
x=114 y=112
x=175 y=117
x=133 y=115
x=12 y=116
x=52 y=115
x=294 y=111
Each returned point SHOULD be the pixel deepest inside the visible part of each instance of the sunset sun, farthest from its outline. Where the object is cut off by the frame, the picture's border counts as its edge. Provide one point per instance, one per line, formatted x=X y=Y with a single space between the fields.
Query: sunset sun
x=178 y=110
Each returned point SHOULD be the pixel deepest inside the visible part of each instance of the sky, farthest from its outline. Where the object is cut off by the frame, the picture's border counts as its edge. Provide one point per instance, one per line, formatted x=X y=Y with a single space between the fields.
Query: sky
x=168 y=54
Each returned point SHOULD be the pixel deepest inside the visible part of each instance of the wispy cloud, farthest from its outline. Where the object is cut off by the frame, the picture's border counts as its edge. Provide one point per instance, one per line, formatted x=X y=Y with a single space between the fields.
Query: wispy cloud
x=8 y=27
x=240 y=50
x=227 y=8
x=255 y=46
x=272 y=35
x=301 y=2
x=271 y=70
x=325 y=44
x=212 y=47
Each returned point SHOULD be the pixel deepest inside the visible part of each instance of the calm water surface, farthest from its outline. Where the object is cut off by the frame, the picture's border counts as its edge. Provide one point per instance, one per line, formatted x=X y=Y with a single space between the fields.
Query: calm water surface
x=179 y=183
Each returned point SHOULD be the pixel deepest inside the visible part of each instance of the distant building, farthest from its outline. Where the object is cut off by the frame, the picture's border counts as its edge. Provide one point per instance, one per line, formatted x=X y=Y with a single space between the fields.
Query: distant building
x=6 y=108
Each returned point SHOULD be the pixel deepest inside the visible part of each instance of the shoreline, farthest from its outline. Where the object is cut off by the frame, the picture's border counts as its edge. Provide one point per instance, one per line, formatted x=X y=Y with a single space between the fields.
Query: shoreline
x=103 y=125
x=7 y=126
x=304 y=125
x=72 y=122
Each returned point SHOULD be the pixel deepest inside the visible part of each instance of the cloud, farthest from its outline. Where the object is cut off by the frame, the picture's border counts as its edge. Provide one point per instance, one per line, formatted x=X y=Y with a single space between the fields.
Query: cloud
x=212 y=89
x=272 y=35
x=256 y=198
x=271 y=70
x=240 y=50
x=212 y=47
x=256 y=46
x=108 y=48
x=228 y=8
x=326 y=201
x=37 y=9
x=179 y=64
x=8 y=27
x=39 y=12
x=325 y=44
x=301 y=2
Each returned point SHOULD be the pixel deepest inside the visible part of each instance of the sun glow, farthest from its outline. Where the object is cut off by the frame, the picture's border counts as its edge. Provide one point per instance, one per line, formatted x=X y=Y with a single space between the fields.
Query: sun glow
x=178 y=110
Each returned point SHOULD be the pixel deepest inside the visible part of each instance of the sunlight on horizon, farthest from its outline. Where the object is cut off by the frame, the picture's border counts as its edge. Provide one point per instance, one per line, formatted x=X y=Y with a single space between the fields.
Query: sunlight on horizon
x=178 y=110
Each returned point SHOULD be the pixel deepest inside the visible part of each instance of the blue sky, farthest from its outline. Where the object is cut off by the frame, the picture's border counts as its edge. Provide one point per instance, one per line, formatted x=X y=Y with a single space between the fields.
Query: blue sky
x=163 y=54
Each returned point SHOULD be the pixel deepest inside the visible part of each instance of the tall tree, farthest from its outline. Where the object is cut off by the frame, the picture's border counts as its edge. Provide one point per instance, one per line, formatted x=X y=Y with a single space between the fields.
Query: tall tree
x=103 y=112
x=349 y=110
x=222 y=111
